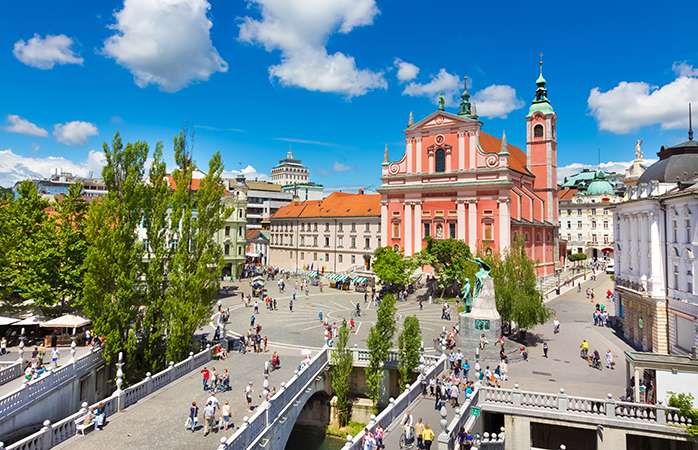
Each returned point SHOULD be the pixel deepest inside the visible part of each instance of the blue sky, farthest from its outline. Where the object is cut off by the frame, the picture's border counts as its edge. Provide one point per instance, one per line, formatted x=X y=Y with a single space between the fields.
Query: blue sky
x=334 y=81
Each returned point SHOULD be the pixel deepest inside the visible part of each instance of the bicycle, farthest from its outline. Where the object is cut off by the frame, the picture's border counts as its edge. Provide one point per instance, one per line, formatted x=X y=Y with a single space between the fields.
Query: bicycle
x=584 y=353
x=404 y=441
x=595 y=363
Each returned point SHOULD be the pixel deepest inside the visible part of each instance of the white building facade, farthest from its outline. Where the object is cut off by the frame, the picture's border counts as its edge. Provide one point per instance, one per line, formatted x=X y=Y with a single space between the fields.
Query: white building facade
x=654 y=259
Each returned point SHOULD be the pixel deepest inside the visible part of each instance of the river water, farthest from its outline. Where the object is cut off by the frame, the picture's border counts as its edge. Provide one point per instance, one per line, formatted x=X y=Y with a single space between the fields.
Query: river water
x=303 y=438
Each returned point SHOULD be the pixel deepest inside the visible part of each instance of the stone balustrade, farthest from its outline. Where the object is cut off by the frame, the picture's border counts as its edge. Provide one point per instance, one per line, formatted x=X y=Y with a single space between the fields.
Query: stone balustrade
x=20 y=397
x=462 y=418
x=10 y=372
x=396 y=406
x=607 y=408
x=362 y=357
x=53 y=434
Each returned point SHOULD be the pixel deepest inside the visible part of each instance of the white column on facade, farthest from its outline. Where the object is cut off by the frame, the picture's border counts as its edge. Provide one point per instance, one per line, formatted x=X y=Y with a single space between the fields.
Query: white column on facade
x=657 y=263
x=472 y=140
x=448 y=160
x=624 y=239
x=430 y=160
x=505 y=224
x=408 y=153
x=417 y=226
x=472 y=225
x=644 y=245
x=384 y=224
x=407 y=239
x=461 y=219
x=418 y=154
x=461 y=150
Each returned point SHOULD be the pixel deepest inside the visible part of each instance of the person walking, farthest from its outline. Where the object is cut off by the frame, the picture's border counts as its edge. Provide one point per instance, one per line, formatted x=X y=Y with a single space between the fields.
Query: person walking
x=423 y=383
x=206 y=377
x=225 y=414
x=193 y=417
x=419 y=432
x=209 y=414
x=545 y=349
x=437 y=393
x=225 y=381
x=427 y=437
x=248 y=396
x=609 y=359
x=379 y=437
x=55 y=355
x=290 y=303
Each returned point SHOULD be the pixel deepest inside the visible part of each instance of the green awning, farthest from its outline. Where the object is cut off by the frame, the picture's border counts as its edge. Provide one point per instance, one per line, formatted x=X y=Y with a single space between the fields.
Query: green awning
x=312 y=274
x=360 y=280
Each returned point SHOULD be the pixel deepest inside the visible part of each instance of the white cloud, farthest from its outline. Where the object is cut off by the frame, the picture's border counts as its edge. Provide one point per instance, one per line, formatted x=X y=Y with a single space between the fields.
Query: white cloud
x=497 y=101
x=683 y=69
x=166 y=43
x=632 y=105
x=249 y=172
x=339 y=167
x=405 y=71
x=74 y=133
x=575 y=168
x=23 y=126
x=443 y=82
x=301 y=31
x=15 y=168
x=44 y=53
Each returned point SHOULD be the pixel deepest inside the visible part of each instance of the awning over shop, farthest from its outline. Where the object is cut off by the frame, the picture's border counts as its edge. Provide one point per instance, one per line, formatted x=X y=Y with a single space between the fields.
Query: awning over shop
x=312 y=274
x=360 y=280
x=66 y=321
x=331 y=276
x=8 y=320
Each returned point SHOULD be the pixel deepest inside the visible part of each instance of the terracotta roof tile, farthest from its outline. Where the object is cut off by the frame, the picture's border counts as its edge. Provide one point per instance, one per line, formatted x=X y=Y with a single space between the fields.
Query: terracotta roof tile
x=337 y=204
x=566 y=194
x=195 y=183
x=517 y=157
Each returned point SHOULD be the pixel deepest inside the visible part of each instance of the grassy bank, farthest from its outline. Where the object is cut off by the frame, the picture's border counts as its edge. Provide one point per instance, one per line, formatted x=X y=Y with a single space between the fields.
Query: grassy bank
x=353 y=428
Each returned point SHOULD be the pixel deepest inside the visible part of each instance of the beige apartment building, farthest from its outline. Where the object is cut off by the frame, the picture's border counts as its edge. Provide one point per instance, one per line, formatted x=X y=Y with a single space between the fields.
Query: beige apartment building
x=338 y=233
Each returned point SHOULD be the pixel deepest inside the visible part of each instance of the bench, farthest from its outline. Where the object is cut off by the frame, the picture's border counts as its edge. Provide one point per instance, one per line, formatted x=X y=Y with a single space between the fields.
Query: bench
x=80 y=426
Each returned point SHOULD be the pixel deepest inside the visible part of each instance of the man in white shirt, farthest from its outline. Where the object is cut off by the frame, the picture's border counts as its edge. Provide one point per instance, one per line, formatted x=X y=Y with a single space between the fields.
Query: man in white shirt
x=407 y=424
x=213 y=401
x=55 y=355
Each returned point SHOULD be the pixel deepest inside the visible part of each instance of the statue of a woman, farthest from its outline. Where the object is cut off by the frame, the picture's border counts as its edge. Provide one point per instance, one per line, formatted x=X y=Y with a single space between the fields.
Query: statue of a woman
x=441 y=101
x=467 y=296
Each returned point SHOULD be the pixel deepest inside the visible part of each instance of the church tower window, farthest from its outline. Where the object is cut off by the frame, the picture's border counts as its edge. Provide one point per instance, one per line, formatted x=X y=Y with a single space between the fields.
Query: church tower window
x=440 y=161
x=538 y=131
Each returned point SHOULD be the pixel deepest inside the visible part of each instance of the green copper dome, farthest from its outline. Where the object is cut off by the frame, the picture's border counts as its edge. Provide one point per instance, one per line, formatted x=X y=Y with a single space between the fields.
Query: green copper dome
x=599 y=185
x=541 y=103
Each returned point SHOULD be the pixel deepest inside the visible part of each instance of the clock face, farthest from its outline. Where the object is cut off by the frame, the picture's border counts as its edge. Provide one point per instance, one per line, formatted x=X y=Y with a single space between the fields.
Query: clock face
x=440 y=139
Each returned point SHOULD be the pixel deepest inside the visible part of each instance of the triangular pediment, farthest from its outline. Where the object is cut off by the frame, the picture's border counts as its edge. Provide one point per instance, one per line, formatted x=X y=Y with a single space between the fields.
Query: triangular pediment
x=439 y=119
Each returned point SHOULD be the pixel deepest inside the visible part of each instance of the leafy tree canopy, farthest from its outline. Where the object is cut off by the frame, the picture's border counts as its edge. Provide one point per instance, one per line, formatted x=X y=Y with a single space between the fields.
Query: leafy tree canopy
x=392 y=267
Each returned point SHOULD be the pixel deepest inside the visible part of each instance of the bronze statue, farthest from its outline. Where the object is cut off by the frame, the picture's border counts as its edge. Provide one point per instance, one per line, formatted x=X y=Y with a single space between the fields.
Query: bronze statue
x=484 y=271
x=467 y=296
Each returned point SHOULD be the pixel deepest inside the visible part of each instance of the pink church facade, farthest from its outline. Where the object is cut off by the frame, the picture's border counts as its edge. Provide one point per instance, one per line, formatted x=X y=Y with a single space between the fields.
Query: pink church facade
x=457 y=181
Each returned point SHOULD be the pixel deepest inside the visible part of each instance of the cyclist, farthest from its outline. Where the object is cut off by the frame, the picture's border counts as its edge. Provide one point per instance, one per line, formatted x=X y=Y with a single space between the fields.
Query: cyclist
x=596 y=358
x=406 y=422
x=585 y=348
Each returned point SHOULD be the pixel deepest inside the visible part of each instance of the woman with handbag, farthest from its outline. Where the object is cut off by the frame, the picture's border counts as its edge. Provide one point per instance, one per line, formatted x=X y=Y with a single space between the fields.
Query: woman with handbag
x=193 y=417
x=225 y=414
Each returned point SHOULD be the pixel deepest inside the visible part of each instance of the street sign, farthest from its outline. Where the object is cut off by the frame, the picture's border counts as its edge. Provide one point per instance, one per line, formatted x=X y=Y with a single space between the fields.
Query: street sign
x=475 y=411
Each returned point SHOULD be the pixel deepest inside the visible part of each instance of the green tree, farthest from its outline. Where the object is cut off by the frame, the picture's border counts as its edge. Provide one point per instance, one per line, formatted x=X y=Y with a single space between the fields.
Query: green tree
x=342 y=365
x=516 y=293
x=684 y=402
x=152 y=323
x=379 y=342
x=197 y=260
x=392 y=267
x=408 y=342
x=114 y=261
x=7 y=241
x=449 y=258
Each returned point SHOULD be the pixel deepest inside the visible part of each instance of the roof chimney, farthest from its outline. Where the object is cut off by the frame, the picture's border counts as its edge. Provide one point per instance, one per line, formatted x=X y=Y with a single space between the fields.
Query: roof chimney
x=361 y=192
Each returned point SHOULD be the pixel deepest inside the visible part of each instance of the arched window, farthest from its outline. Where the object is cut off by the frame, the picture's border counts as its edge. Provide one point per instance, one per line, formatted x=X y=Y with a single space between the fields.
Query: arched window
x=537 y=237
x=526 y=237
x=538 y=131
x=440 y=161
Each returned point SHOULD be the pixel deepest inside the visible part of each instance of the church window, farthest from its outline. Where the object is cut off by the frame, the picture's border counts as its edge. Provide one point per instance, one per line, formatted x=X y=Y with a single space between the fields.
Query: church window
x=452 y=230
x=526 y=237
x=396 y=231
x=688 y=231
x=488 y=232
x=440 y=161
x=538 y=131
x=548 y=238
x=427 y=229
x=537 y=237
x=227 y=249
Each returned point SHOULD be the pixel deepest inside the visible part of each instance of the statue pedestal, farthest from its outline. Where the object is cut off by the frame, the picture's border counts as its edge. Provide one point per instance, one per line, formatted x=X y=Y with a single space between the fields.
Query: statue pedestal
x=483 y=318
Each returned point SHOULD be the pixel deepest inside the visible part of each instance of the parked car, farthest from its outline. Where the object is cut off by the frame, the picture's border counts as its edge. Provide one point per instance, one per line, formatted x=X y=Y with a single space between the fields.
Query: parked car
x=610 y=269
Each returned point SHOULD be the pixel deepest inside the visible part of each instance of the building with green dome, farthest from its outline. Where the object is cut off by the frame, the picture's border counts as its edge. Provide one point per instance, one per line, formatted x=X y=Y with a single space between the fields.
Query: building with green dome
x=586 y=221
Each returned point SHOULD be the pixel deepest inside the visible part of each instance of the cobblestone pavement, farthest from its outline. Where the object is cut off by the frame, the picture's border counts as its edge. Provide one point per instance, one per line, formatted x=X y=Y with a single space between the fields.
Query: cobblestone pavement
x=158 y=421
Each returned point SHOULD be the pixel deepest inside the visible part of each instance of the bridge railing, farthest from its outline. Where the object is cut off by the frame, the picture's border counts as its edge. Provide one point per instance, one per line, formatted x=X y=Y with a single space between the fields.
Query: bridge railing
x=253 y=427
x=396 y=407
x=463 y=418
x=608 y=408
x=53 y=434
x=9 y=372
x=20 y=397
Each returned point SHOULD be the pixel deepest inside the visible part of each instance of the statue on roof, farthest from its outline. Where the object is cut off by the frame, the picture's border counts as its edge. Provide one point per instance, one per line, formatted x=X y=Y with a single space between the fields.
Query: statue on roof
x=441 y=101
x=638 y=149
